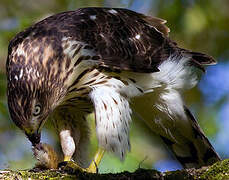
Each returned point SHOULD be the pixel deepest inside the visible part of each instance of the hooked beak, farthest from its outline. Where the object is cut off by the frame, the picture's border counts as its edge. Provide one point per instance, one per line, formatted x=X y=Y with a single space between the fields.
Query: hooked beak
x=34 y=138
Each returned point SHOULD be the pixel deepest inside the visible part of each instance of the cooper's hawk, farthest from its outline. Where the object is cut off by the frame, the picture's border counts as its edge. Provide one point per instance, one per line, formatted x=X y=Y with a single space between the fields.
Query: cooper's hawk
x=112 y=62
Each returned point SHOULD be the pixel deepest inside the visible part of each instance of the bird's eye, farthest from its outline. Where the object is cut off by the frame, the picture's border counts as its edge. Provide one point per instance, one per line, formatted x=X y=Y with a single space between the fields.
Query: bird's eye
x=37 y=110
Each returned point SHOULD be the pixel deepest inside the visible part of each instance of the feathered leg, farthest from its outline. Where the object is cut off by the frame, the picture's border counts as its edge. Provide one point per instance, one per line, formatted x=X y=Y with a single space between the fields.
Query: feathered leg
x=73 y=132
x=74 y=137
x=112 y=116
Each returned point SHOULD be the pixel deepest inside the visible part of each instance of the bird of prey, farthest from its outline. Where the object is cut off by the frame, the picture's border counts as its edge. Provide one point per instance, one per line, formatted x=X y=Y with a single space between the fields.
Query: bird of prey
x=113 y=62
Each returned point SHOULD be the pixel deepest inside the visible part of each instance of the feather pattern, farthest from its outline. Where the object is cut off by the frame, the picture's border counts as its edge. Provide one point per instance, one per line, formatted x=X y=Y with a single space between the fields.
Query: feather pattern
x=112 y=116
x=109 y=60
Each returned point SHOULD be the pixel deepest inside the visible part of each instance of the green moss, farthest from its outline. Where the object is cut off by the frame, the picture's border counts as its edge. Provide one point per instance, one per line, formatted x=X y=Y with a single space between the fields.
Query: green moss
x=179 y=174
x=49 y=174
x=217 y=171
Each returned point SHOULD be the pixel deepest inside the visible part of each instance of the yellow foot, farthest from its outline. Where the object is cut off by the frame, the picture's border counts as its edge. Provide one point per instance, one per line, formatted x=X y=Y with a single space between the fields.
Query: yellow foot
x=72 y=167
x=93 y=168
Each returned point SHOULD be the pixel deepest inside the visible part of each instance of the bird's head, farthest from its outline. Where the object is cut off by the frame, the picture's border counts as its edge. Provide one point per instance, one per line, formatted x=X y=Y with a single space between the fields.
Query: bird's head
x=29 y=104
x=33 y=88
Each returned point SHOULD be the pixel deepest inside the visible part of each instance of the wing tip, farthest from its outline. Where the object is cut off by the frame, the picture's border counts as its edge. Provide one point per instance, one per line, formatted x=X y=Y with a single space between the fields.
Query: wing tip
x=158 y=24
x=200 y=60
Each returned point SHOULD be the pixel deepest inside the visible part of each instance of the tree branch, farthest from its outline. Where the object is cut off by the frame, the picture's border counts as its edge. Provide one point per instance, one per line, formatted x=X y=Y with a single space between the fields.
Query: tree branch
x=219 y=170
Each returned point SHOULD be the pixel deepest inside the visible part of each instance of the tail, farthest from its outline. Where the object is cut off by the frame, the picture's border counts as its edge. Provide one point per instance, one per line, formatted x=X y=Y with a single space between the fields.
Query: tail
x=195 y=152
x=173 y=122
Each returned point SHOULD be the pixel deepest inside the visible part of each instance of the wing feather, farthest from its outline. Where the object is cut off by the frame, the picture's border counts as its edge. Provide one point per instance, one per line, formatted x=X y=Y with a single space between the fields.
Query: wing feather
x=120 y=39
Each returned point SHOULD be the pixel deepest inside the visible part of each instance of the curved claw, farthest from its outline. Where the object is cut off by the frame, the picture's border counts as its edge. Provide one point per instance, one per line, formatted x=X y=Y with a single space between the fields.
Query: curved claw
x=93 y=168
x=72 y=167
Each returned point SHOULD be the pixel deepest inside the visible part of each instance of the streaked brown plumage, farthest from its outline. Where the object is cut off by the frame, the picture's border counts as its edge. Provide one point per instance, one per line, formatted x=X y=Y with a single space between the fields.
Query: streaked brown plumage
x=72 y=63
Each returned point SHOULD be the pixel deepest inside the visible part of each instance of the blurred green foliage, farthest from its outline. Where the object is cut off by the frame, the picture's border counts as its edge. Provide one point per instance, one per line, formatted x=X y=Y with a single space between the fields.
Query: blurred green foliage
x=198 y=25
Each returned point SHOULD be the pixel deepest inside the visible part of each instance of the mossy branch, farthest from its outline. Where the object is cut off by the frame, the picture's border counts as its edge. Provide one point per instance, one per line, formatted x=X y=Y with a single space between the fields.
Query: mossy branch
x=219 y=170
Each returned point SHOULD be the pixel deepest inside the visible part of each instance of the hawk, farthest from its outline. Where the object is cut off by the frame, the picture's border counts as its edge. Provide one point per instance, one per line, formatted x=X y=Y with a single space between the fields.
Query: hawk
x=113 y=62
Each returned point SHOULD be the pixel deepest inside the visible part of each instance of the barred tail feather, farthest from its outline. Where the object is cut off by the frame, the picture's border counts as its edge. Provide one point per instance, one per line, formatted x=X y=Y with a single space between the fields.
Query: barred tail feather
x=174 y=123
x=207 y=154
x=194 y=152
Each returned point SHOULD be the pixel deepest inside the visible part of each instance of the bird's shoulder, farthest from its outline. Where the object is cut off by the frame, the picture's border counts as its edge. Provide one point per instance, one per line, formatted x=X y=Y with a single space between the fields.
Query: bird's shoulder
x=120 y=38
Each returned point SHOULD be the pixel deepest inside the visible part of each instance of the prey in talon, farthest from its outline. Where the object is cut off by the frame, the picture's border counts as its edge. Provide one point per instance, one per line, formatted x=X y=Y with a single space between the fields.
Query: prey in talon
x=46 y=156
x=112 y=62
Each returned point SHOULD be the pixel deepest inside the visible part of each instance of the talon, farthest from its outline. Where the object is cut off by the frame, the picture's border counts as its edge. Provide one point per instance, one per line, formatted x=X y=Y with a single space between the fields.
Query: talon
x=93 y=168
x=62 y=164
x=70 y=167
x=97 y=169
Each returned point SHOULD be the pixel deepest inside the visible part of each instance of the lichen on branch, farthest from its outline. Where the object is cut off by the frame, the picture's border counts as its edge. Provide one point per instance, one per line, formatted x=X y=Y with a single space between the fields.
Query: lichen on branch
x=218 y=171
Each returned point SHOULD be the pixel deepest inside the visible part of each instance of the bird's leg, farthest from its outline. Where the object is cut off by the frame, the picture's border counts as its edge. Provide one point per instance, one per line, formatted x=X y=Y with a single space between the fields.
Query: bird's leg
x=93 y=167
x=68 y=148
x=96 y=161
x=67 y=144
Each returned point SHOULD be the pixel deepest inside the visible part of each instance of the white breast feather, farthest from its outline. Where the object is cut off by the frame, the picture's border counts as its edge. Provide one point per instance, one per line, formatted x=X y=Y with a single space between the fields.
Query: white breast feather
x=113 y=116
x=176 y=73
